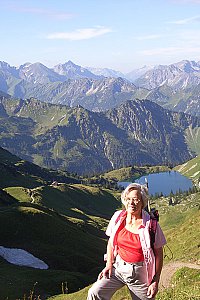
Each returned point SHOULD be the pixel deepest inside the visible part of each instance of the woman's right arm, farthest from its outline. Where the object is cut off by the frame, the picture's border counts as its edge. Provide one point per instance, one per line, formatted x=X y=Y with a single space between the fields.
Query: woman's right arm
x=107 y=271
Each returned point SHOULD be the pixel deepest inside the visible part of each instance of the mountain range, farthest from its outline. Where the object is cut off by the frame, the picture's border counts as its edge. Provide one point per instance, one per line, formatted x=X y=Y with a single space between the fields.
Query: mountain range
x=46 y=219
x=137 y=132
x=175 y=87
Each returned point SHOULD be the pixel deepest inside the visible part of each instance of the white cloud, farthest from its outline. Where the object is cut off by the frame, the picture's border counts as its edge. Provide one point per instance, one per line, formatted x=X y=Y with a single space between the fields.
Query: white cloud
x=148 y=37
x=185 y=21
x=80 y=34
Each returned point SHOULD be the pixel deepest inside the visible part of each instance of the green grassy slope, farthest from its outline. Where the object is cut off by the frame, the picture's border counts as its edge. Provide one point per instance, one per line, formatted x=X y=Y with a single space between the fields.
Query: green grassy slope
x=87 y=207
x=183 y=235
x=17 y=172
x=133 y=172
x=62 y=225
x=180 y=224
x=41 y=230
x=18 y=282
x=185 y=285
x=190 y=169
x=51 y=237
x=91 y=200
x=192 y=136
x=181 y=227
x=6 y=199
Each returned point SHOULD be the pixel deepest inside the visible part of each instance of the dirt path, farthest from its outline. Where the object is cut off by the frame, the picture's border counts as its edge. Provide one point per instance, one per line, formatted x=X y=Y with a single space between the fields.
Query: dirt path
x=169 y=269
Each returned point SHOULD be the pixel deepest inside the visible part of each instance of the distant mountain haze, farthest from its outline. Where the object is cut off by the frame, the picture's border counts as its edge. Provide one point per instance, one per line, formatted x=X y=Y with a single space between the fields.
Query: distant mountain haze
x=179 y=76
x=106 y=72
x=133 y=75
x=174 y=86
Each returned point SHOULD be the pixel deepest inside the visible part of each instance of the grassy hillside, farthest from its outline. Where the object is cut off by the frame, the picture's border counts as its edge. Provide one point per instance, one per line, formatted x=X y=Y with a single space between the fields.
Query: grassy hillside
x=17 y=172
x=53 y=238
x=19 y=282
x=6 y=199
x=61 y=224
x=193 y=139
x=82 y=205
x=181 y=227
x=64 y=230
x=72 y=243
x=190 y=169
x=185 y=286
x=179 y=222
x=133 y=172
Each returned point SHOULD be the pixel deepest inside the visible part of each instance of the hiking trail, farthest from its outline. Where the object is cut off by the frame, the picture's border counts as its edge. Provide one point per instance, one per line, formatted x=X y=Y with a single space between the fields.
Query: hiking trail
x=169 y=270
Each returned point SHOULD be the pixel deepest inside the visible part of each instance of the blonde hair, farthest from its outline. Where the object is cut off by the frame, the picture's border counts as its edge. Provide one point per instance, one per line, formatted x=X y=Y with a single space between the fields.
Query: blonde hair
x=139 y=187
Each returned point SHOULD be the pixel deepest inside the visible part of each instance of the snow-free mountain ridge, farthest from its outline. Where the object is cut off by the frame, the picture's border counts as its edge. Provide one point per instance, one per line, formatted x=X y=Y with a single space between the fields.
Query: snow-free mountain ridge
x=174 y=86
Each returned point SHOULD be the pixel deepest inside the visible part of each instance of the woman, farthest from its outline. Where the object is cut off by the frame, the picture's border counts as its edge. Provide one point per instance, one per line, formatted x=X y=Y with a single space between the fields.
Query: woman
x=131 y=260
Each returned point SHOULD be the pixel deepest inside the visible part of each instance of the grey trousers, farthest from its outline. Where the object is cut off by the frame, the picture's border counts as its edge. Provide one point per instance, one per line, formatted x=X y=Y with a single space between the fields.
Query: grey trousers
x=132 y=275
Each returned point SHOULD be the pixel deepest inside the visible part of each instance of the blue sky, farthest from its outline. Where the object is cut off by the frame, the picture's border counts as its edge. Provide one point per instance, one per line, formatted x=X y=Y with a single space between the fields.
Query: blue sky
x=121 y=35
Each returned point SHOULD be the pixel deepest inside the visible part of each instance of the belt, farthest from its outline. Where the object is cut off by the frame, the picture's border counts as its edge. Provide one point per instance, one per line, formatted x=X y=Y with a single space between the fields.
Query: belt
x=119 y=259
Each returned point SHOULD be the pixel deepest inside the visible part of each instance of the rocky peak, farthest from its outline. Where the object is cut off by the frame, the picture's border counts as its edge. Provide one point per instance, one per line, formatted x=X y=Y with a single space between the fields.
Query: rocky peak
x=5 y=66
x=71 y=70
x=38 y=73
x=188 y=66
x=8 y=70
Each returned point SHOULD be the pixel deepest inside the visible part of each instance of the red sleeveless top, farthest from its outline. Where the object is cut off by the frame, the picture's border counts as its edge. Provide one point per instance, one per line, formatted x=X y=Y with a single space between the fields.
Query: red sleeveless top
x=129 y=246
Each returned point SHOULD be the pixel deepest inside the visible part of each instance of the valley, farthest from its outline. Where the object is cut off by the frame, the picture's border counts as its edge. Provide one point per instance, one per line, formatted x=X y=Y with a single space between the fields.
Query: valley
x=63 y=224
x=68 y=134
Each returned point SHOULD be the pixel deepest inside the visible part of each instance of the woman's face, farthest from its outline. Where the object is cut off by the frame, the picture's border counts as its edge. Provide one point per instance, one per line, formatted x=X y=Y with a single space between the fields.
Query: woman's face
x=133 y=202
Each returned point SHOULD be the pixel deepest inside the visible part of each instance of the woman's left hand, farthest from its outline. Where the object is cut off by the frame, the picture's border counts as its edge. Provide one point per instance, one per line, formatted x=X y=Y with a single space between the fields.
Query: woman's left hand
x=152 y=290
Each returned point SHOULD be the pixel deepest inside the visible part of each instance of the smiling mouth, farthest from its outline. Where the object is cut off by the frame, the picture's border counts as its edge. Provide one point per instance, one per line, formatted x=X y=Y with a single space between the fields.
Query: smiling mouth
x=133 y=207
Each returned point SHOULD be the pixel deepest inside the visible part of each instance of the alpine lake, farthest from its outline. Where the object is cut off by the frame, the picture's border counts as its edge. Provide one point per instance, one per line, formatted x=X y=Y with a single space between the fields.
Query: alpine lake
x=164 y=182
